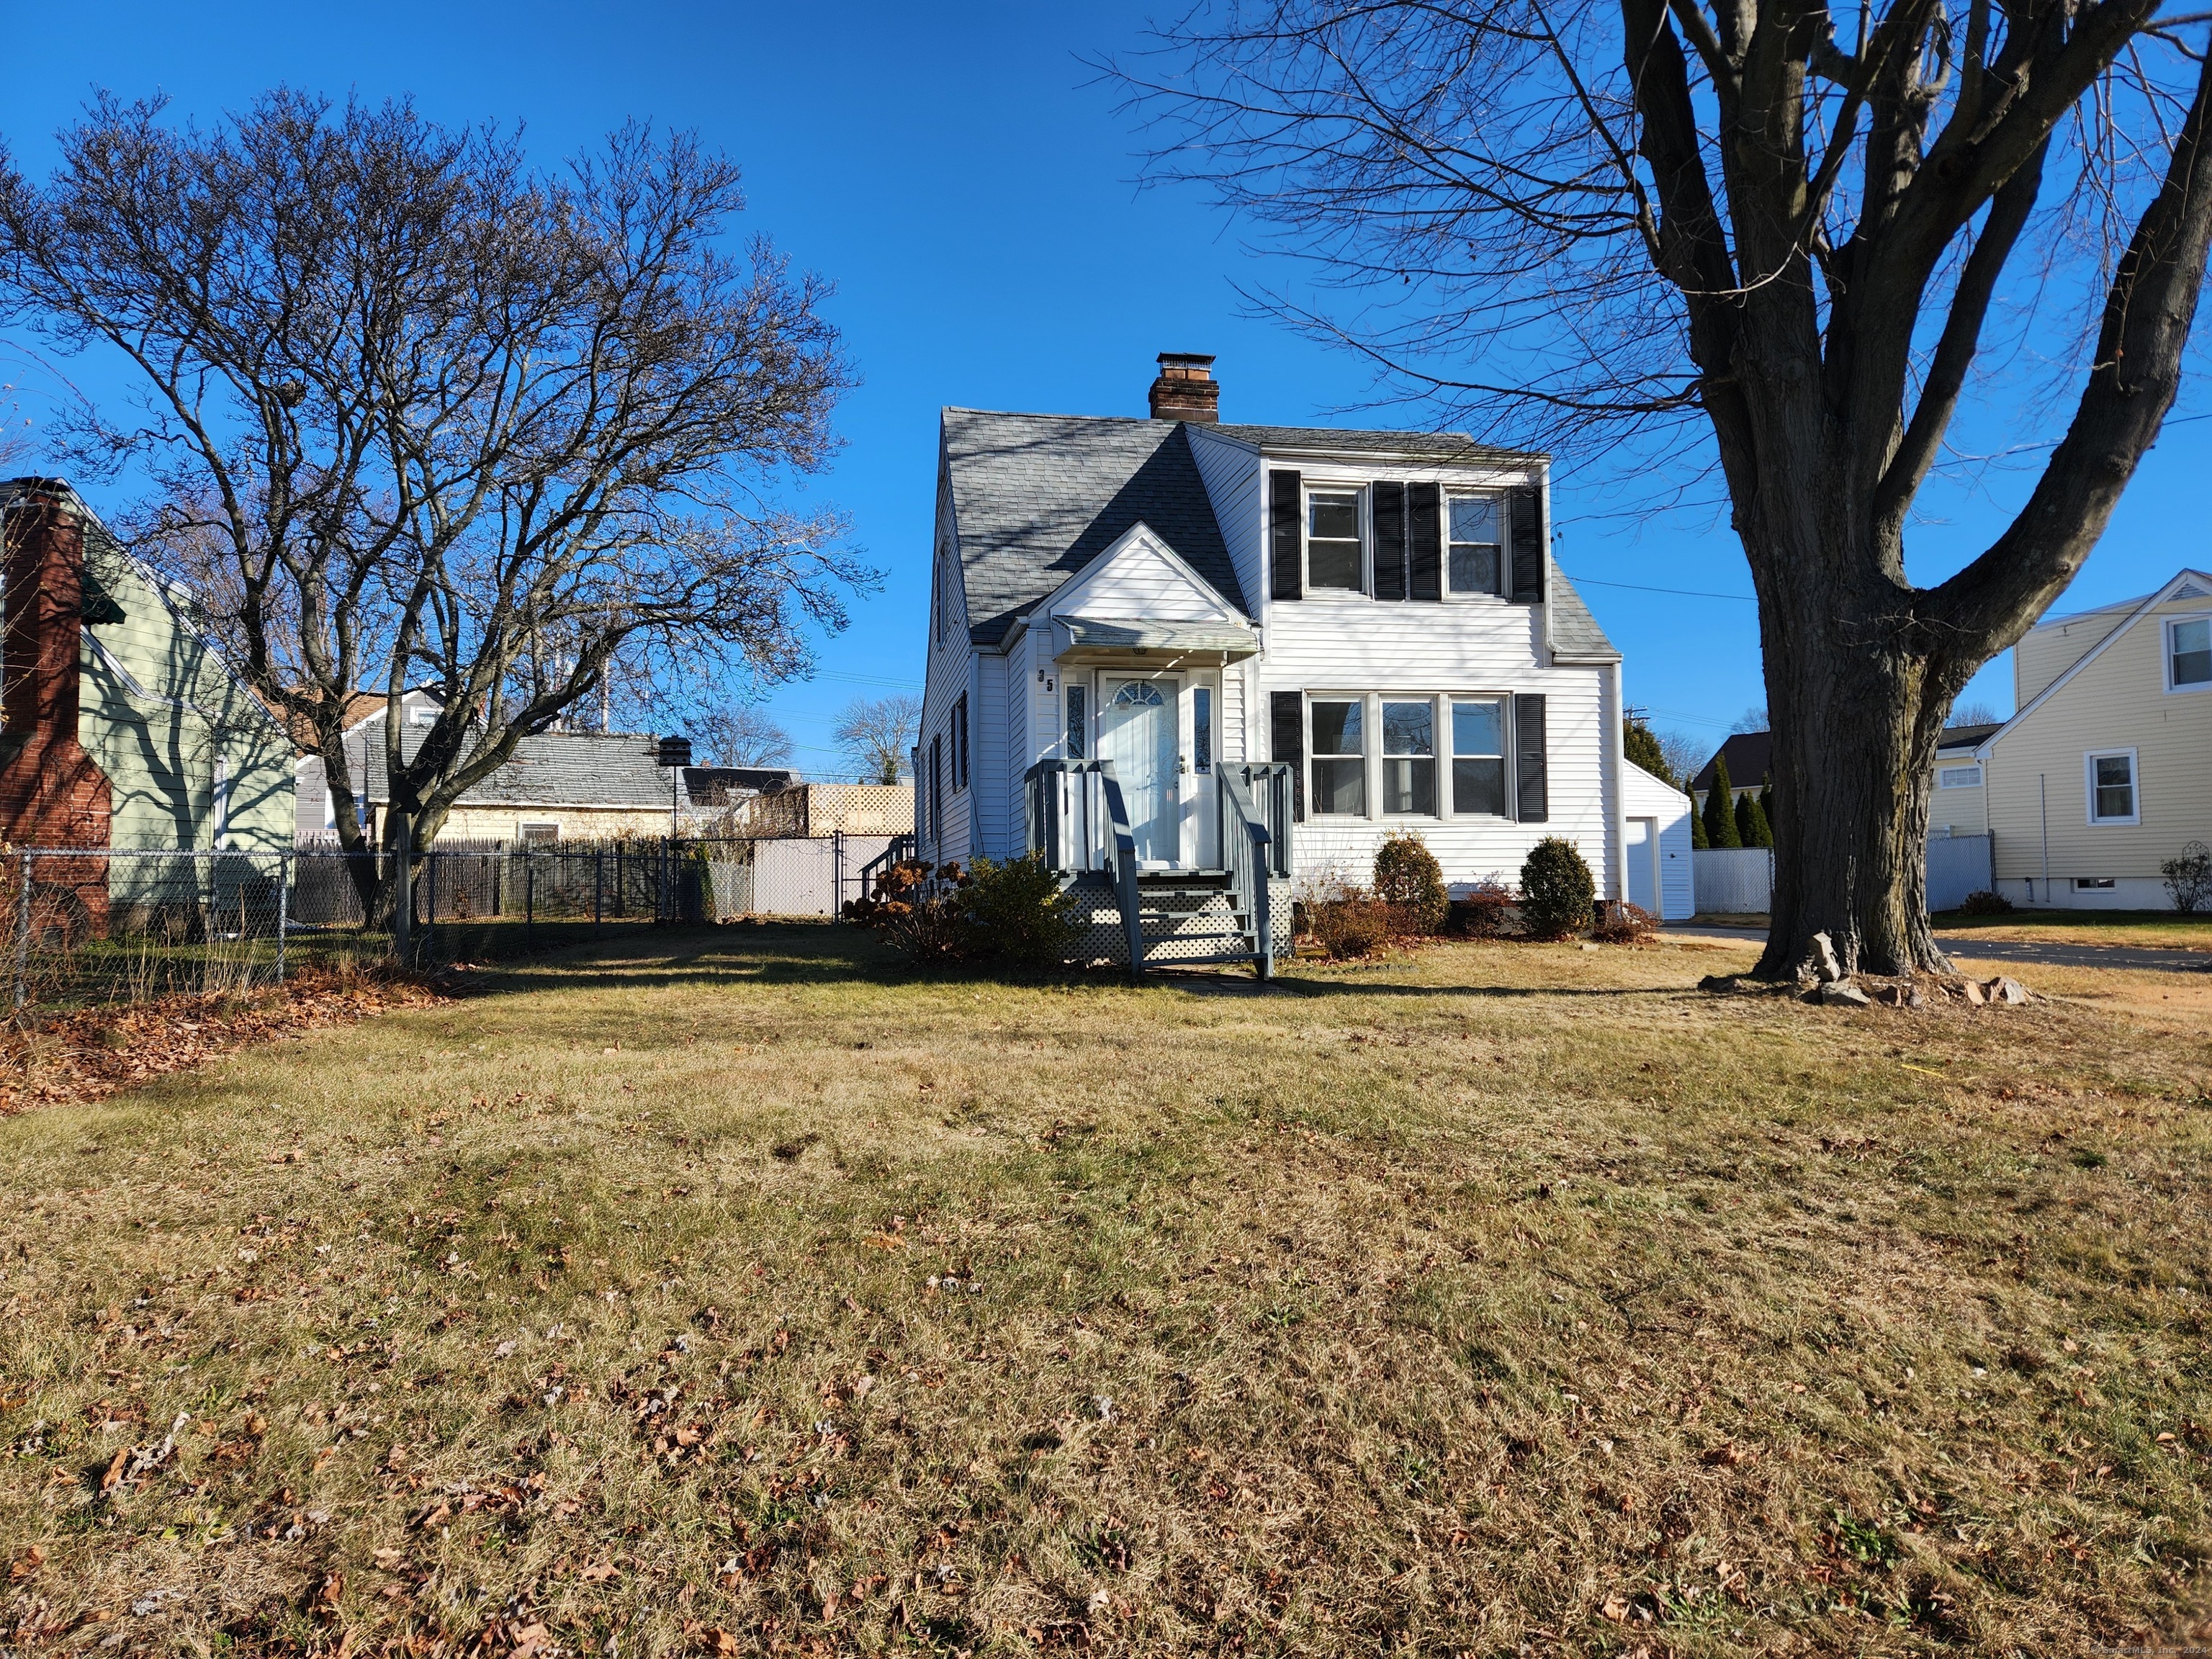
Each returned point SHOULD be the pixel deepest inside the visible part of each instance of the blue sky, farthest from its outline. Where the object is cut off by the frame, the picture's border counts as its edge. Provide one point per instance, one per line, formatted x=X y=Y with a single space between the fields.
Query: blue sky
x=957 y=175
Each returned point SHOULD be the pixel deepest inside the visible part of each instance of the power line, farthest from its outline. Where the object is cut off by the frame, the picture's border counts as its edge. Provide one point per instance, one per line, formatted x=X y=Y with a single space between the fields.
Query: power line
x=1679 y=592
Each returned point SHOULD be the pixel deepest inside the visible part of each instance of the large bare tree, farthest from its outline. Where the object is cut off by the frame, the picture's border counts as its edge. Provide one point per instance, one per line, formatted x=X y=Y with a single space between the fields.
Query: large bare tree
x=1789 y=225
x=876 y=734
x=415 y=414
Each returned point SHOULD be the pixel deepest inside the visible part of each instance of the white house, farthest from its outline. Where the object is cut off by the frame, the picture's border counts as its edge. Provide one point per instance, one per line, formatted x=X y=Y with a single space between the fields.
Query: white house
x=1287 y=644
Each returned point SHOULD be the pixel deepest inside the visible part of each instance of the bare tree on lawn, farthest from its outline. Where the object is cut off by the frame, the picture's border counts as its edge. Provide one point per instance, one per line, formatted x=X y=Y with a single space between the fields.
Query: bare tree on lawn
x=739 y=734
x=1685 y=755
x=416 y=415
x=1770 y=232
x=876 y=734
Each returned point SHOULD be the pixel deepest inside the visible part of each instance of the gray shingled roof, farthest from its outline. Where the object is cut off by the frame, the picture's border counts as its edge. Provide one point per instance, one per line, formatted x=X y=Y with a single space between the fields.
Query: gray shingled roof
x=1575 y=632
x=555 y=768
x=1038 y=496
x=1359 y=440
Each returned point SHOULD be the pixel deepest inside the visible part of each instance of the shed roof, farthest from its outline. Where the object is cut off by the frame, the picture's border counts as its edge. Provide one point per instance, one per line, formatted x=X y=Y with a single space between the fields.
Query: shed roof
x=554 y=768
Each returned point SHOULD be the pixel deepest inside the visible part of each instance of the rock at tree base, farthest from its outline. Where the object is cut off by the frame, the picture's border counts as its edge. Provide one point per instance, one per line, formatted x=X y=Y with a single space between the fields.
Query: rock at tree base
x=1821 y=961
x=1972 y=993
x=2004 y=990
x=1843 y=993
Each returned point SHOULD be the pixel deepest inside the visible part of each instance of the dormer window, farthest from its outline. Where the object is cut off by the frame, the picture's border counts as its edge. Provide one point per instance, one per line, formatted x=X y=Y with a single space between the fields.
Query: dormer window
x=1333 y=550
x=1475 y=556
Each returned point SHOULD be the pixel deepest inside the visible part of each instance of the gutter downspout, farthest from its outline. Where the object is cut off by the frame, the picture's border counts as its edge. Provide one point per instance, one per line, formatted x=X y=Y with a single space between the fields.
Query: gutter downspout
x=2043 y=809
x=1617 y=826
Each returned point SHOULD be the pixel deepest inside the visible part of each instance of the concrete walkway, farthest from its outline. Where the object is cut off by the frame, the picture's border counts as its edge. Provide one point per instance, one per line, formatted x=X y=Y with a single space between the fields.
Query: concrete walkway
x=2143 y=959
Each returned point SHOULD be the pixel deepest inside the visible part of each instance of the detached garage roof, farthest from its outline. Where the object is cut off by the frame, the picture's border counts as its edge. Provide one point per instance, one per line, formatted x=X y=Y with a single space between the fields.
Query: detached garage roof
x=556 y=769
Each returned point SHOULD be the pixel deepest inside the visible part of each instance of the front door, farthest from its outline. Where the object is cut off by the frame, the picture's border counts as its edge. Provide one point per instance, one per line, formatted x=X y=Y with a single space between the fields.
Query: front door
x=1137 y=733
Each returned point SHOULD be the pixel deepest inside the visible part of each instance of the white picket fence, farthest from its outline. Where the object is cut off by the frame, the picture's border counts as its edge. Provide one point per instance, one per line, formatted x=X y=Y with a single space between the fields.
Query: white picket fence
x=1740 y=881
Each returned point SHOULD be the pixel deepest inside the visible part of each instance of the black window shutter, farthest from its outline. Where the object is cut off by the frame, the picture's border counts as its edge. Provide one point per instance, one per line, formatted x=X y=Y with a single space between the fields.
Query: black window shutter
x=960 y=739
x=1424 y=511
x=1527 y=510
x=1532 y=771
x=1287 y=713
x=1285 y=536
x=1390 y=540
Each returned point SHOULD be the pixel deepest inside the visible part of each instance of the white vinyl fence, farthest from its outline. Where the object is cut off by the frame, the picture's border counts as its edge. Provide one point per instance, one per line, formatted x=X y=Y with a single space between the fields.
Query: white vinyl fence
x=1740 y=882
x=1957 y=865
x=1733 y=881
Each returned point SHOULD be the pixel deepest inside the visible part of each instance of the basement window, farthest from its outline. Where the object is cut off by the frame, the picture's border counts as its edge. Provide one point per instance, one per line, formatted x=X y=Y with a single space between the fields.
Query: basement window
x=2094 y=884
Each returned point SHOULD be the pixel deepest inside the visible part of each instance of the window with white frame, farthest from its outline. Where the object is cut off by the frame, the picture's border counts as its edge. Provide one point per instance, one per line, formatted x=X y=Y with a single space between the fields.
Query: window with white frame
x=528 y=831
x=1478 y=728
x=1340 y=756
x=2189 y=654
x=1474 y=560
x=1332 y=552
x=2094 y=884
x=1958 y=777
x=2112 y=785
x=1409 y=763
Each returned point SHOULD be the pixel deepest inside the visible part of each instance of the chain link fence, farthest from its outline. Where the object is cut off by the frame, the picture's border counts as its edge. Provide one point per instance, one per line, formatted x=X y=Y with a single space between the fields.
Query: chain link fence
x=88 y=927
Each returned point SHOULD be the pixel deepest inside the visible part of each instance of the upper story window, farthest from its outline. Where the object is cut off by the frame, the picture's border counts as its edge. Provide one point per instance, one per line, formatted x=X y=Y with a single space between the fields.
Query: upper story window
x=1332 y=551
x=1474 y=561
x=1958 y=777
x=2111 y=784
x=1340 y=750
x=2189 y=654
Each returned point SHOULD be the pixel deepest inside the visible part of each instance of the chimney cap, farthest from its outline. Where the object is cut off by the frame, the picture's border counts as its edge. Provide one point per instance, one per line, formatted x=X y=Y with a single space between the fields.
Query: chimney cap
x=1186 y=389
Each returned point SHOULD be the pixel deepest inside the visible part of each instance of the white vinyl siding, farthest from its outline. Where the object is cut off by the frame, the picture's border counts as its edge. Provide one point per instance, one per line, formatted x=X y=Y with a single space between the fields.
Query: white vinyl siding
x=1232 y=475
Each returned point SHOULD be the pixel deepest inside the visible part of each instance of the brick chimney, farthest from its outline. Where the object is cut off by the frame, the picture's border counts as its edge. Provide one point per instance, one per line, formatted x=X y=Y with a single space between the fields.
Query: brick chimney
x=52 y=792
x=1186 y=389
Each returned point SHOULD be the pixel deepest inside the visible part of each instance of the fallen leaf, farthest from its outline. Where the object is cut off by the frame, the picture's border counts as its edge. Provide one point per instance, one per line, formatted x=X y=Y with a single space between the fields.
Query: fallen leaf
x=26 y=1565
x=1616 y=1607
x=598 y=1573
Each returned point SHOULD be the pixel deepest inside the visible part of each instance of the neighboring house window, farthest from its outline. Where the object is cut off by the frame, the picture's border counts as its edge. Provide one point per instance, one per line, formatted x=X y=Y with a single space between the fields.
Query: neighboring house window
x=1475 y=557
x=219 y=814
x=937 y=788
x=1078 y=723
x=2189 y=654
x=423 y=716
x=1958 y=777
x=1333 y=558
x=537 y=832
x=2113 y=787
x=1339 y=765
x=2094 y=884
x=1202 y=729
x=1478 y=758
x=960 y=744
x=1409 y=766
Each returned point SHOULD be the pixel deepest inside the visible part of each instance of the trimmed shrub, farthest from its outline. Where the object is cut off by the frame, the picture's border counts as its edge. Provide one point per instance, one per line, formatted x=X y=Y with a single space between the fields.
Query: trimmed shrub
x=1984 y=903
x=1408 y=879
x=1625 y=924
x=1017 y=910
x=1350 y=923
x=1485 y=913
x=1557 y=889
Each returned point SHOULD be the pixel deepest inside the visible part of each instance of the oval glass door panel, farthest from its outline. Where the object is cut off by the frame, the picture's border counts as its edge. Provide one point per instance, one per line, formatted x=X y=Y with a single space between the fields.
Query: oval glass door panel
x=1136 y=732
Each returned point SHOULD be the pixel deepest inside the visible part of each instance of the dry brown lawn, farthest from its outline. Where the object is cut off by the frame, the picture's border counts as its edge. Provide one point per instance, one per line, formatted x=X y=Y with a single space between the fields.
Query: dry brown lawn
x=1506 y=1299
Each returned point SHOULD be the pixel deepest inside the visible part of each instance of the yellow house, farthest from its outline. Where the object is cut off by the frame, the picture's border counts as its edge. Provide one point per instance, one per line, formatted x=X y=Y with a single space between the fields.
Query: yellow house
x=2106 y=772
